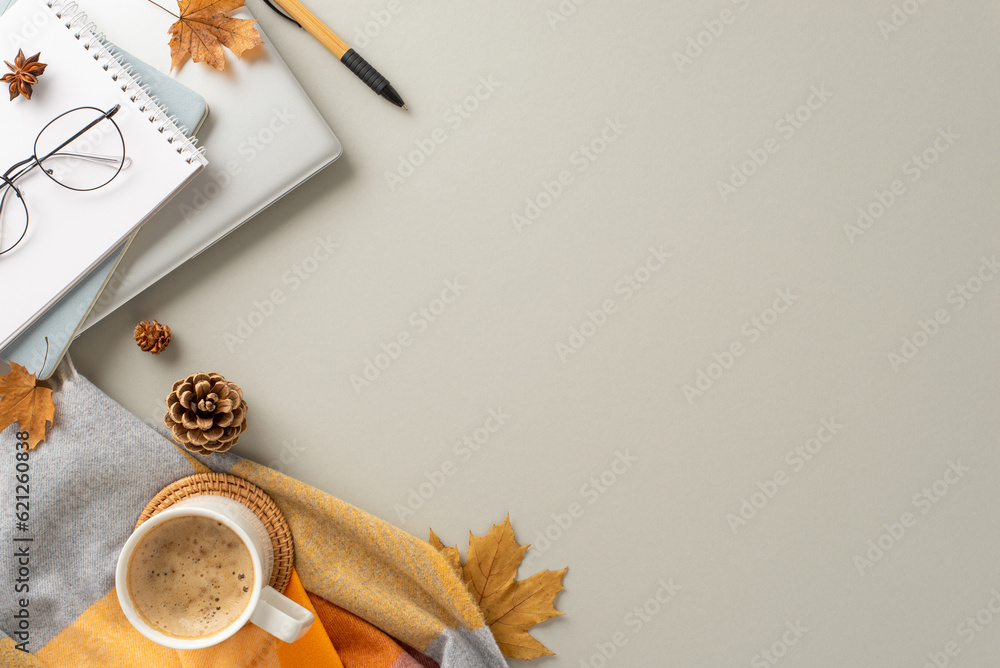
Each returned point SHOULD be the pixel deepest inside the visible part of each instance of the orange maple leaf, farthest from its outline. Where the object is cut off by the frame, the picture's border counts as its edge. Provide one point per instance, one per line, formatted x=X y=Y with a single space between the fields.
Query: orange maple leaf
x=24 y=401
x=511 y=607
x=202 y=29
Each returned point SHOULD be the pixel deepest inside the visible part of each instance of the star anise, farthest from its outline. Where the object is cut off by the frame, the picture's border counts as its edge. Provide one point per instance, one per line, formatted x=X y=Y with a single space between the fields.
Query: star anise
x=24 y=74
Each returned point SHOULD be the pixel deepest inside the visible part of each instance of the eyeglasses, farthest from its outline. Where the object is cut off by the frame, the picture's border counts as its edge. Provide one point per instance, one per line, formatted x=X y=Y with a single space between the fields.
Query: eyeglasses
x=82 y=150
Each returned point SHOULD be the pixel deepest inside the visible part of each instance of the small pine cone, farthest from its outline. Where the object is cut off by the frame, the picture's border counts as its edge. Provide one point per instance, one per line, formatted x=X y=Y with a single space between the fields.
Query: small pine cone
x=152 y=336
x=206 y=413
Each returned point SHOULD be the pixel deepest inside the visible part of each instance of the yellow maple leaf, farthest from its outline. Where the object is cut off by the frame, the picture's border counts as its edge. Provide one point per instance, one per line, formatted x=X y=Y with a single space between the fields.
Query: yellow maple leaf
x=511 y=606
x=202 y=29
x=24 y=401
x=450 y=553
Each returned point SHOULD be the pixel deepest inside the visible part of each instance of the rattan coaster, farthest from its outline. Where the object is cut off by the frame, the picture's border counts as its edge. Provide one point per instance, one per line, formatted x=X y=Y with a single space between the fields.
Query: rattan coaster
x=251 y=496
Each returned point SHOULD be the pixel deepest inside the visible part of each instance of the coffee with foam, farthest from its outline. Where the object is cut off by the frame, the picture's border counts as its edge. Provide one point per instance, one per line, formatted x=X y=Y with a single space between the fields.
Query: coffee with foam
x=190 y=577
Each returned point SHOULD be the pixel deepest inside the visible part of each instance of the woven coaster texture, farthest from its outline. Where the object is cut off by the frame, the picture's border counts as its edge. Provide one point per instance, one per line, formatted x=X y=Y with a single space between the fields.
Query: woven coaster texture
x=251 y=496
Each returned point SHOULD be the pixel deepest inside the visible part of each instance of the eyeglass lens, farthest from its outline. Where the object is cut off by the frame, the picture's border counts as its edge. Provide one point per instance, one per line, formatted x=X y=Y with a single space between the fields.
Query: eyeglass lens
x=13 y=219
x=81 y=150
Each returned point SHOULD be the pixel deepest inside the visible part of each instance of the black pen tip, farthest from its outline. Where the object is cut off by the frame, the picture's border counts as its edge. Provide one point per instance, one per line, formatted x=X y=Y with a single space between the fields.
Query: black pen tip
x=390 y=94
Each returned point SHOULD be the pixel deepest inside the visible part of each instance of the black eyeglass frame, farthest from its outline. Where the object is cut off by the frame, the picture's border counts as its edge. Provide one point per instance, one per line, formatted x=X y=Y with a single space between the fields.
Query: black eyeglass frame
x=25 y=166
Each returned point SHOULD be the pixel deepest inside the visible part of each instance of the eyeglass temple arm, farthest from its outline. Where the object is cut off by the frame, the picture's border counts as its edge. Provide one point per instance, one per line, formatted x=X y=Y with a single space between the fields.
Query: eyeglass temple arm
x=8 y=179
x=107 y=116
x=94 y=157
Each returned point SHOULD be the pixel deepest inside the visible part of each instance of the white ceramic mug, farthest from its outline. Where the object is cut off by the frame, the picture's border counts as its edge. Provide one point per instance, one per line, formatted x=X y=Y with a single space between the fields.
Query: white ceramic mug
x=276 y=614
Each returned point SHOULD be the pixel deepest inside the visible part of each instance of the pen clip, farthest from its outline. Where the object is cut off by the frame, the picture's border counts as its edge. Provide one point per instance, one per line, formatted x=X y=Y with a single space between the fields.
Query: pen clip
x=281 y=12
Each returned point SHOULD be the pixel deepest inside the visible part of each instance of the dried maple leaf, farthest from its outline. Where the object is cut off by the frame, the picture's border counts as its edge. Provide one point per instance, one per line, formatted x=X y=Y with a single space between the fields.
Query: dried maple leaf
x=202 y=29
x=24 y=401
x=511 y=607
x=450 y=553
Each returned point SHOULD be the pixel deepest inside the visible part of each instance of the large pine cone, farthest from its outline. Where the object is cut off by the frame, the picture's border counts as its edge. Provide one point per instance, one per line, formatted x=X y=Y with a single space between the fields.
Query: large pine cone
x=206 y=413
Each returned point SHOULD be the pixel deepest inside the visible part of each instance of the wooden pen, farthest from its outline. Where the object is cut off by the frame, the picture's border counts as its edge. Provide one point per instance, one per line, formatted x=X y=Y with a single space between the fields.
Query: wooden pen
x=306 y=19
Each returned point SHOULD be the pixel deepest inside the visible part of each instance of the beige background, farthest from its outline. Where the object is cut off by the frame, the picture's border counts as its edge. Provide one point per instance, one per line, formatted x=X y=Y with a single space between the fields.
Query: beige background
x=790 y=580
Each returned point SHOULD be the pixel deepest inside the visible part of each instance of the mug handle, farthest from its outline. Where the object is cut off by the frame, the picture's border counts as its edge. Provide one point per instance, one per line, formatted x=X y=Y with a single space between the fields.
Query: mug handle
x=280 y=616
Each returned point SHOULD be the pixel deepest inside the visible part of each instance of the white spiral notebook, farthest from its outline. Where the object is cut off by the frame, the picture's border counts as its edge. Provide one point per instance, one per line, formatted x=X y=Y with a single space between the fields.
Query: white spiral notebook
x=74 y=218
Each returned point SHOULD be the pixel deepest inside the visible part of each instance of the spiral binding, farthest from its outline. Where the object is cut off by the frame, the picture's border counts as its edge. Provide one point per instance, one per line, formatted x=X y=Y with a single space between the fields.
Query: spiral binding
x=121 y=72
